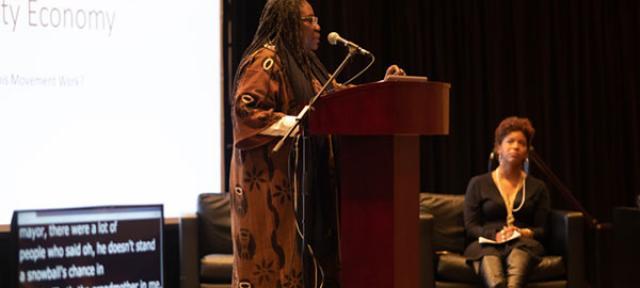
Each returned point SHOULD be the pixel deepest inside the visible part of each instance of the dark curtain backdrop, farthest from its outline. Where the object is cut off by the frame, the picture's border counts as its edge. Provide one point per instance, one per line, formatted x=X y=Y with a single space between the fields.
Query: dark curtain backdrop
x=572 y=67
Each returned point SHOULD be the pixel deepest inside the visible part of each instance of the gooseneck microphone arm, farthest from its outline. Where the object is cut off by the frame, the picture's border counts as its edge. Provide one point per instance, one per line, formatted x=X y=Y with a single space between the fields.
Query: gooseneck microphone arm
x=309 y=106
x=334 y=38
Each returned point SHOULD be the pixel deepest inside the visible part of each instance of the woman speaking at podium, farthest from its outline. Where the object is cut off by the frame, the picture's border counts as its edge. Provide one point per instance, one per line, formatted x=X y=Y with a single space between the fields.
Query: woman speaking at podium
x=278 y=75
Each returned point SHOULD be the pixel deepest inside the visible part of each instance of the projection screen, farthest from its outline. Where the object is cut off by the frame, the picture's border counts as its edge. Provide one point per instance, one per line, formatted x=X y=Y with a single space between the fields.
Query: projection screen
x=109 y=102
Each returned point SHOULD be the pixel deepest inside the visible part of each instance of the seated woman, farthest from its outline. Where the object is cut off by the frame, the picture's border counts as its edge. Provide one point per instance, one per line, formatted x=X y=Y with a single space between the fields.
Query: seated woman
x=503 y=203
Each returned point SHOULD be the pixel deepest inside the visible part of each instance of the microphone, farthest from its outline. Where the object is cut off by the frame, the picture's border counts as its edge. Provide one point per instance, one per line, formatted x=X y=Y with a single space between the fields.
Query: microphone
x=334 y=38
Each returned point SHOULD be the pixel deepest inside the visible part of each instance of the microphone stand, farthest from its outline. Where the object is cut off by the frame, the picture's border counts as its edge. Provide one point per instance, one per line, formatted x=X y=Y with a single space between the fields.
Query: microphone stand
x=313 y=100
x=596 y=242
x=566 y=193
x=306 y=148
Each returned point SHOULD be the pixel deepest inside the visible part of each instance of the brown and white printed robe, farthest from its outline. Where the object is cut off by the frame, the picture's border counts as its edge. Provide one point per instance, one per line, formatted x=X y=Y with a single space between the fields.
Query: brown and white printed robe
x=267 y=250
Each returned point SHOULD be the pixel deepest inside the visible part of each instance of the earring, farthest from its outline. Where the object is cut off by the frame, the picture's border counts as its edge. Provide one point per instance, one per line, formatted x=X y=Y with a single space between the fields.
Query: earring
x=526 y=165
x=490 y=162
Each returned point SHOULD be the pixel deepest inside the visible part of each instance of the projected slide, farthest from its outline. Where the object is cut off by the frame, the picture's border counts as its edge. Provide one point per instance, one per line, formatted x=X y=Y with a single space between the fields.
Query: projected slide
x=93 y=247
x=109 y=102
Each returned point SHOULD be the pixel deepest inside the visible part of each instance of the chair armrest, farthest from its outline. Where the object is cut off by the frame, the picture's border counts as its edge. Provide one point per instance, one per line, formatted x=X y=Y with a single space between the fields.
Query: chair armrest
x=567 y=239
x=427 y=271
x=189 y=258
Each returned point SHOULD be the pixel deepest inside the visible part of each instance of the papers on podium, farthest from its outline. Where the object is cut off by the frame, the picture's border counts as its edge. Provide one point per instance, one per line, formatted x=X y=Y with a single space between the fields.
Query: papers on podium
x=406 y=78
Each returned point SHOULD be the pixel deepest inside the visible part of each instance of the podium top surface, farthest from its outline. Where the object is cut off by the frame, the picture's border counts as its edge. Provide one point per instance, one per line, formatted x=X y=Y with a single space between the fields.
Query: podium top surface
x=384 y=108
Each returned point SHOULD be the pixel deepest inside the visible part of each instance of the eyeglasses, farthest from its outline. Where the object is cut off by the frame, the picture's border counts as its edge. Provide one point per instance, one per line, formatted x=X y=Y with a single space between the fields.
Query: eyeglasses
x=313 y=20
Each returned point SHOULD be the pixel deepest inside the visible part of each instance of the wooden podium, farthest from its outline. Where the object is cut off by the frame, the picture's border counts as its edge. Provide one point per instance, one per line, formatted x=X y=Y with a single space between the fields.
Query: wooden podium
x=377 y=127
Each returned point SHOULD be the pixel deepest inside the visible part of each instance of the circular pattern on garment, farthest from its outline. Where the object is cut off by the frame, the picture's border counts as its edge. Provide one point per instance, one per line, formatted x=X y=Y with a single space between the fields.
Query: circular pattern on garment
x=238 y=191
x=247 y=99
x=267 y=64
x=240 y=203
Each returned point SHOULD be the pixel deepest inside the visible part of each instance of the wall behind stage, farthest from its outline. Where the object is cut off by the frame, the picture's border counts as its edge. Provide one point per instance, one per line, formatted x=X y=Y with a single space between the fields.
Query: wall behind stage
x=572 y=67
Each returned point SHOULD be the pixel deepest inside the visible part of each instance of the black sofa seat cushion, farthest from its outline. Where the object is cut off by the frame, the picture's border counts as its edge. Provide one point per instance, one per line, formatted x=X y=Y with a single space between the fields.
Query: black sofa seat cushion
x=216 y=268
x=453 y=267
x=215 y=245
x=448 y=226
x=550 y=268
x=214 y=223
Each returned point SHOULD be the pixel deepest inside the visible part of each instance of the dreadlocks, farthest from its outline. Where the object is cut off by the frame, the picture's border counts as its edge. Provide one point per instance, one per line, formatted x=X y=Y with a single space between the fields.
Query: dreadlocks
x=280 y=26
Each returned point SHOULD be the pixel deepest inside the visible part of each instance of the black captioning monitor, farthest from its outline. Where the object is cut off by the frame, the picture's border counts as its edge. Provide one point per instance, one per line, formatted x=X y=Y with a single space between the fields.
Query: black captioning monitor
x=92 y=247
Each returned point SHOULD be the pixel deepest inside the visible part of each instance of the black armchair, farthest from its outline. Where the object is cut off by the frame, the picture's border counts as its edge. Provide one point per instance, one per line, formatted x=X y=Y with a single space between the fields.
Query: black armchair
x=206 y=249
x=443 y=241
x=626 y=224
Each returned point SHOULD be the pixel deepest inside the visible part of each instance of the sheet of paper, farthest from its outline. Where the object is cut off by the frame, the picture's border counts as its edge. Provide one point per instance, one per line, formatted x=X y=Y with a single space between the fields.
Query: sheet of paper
x=483 y=240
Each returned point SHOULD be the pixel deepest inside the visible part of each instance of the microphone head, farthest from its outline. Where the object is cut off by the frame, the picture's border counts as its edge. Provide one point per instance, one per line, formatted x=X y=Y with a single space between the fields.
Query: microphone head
x=333 y=38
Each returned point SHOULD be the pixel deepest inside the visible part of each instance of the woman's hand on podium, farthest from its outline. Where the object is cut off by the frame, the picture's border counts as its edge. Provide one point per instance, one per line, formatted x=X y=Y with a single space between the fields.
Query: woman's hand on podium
x=394 y=70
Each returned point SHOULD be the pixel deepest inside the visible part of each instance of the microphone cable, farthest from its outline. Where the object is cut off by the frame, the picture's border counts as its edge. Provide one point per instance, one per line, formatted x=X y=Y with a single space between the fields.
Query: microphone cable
x=373 y=59
x=294 y=160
